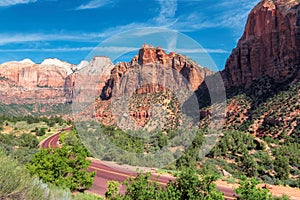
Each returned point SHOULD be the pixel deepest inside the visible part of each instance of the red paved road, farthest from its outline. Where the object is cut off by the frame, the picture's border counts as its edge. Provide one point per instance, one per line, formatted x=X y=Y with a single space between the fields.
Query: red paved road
x=51 y=142
x=106 y=172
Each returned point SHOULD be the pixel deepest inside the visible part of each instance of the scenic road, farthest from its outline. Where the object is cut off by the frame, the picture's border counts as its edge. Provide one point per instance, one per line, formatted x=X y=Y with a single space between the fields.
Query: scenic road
x=106 y=172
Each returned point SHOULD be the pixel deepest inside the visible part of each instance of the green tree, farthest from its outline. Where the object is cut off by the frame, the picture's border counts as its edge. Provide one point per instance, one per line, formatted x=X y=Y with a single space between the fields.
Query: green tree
x=248 y=190
x=140 y=188
x=190 y=186
x=66 y=166
x=281 y=166
x=248 y=164
x=112 y=190
x=40 y=132
x=28 y=140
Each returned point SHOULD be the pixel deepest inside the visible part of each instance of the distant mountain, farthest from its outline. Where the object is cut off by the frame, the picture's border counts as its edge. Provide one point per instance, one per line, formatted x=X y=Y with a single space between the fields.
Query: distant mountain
x=25 y=82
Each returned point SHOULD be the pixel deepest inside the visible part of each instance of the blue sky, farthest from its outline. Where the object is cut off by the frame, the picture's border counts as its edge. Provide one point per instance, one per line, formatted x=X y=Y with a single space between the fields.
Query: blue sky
x=70 y=29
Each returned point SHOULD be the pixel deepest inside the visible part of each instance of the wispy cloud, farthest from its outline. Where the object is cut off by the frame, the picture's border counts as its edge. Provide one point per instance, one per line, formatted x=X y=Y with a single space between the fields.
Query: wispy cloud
x=94 y=4
x=202 y=50
x=167 y=12
x=12 y=38
x=234 y=17
x=4 y=3
x=224 y=14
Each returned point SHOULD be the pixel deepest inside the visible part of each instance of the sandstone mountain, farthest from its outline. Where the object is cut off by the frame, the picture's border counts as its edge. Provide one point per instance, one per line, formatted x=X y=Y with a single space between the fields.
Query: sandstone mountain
x=262 y=74
x=154 y=59
x=269 y=47
x=152 y=73
x=268 y=53
x=26 y=82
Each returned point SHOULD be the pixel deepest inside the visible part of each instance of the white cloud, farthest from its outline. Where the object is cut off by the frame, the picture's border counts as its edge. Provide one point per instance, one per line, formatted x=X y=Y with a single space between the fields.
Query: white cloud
x=167 y=12
x=202 y=50
x=236 y=17
x=94 y=4
x=10 y=38
x=226 y=14
x=4 y=3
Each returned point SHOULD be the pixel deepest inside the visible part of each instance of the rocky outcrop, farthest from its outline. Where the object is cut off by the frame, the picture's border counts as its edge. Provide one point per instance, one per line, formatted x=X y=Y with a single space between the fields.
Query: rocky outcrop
x=153 y=70
x=150 y=75
x=270 y=45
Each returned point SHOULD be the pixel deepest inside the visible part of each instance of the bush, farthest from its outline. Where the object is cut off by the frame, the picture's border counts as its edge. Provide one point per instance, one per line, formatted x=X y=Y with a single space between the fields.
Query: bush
x=66 y=167
x=249 y=191
x=40 y=132
x=187 y=186
x=15 y=182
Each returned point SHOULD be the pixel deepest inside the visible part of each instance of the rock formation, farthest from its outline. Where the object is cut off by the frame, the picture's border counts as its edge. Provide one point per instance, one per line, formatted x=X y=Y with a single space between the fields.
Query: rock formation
x=52 y=81
x=153 y=70
x=89 y=80
x=270 y=45
x=27 y=83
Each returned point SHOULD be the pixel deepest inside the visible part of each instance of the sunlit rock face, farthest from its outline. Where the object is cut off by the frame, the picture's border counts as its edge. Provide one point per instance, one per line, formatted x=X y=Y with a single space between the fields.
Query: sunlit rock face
x=25 y=82
x=152 y=60
x=270 y=45
x=150 y=81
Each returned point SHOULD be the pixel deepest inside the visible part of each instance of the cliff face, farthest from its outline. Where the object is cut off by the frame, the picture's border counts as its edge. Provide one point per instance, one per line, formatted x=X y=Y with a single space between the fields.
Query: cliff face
x=89 y=80
x=151 y=76
x=28 y=83
x=153 y=70
x=270 y=45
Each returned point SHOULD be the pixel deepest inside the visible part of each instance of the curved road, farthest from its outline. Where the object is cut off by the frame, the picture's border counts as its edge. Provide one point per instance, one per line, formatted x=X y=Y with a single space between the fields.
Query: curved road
x=106 y=172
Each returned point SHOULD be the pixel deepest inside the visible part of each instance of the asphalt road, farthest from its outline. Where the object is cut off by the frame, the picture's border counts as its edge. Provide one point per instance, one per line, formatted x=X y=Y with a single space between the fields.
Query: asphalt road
x=106 y=172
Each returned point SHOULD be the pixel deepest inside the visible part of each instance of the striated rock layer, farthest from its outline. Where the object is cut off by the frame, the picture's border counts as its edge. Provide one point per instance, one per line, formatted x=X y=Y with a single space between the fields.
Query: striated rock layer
x=153 y=70
x=270 y=45
x=150 y=74
x=28 y=83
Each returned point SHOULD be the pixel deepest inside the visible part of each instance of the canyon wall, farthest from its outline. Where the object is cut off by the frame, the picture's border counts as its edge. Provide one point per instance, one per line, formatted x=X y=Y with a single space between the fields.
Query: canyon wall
x=270 y=45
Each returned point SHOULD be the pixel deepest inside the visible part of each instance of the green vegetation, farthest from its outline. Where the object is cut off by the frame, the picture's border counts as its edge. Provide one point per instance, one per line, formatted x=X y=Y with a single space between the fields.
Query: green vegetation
x=188 y=185
x=20 y=147
x=271 y=156
x=241 y=154
x=261 y=134
x=86 y=196
x=248 y=190
x=41 y=127
x=20 y=136
x=66 y=166
x=36 y=110
x=109 y=143
x=15 y=182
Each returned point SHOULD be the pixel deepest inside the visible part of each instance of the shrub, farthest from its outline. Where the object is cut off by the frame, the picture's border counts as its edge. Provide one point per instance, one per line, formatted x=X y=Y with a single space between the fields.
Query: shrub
x=15 y=182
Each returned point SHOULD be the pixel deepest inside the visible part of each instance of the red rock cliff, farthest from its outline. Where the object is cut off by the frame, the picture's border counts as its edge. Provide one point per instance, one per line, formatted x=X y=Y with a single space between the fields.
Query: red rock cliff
x=28 y=83
x=154 y=65
x=270 y=45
